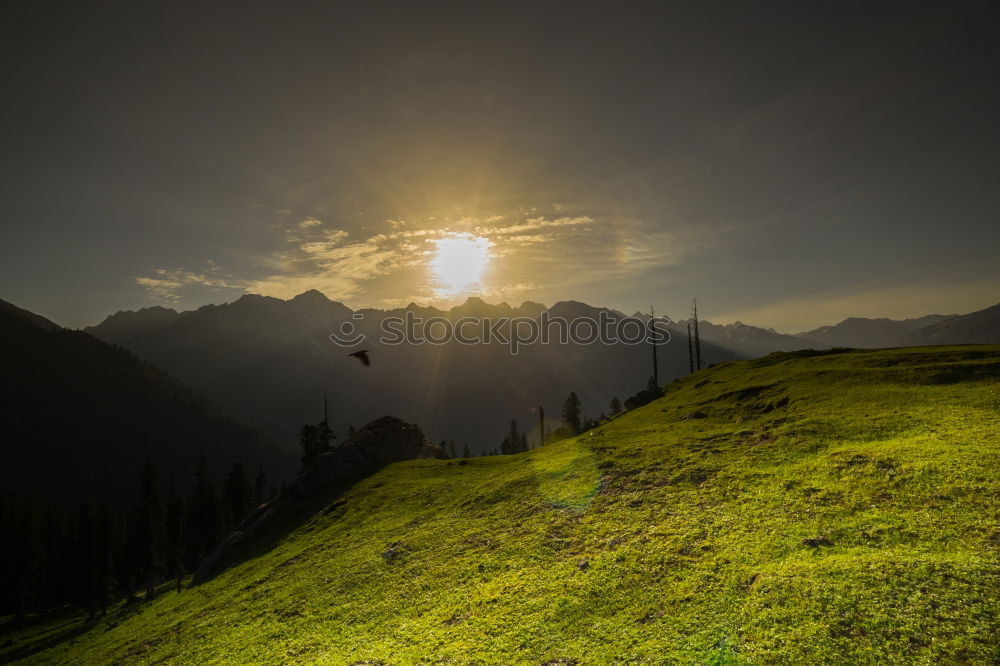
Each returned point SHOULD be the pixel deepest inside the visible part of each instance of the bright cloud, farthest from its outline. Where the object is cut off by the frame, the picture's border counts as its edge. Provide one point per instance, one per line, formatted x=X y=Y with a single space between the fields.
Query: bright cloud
x=383 y=267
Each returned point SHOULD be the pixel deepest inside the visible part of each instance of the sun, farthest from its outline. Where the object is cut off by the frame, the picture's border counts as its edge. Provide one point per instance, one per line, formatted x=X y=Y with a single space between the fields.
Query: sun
x=459 y=261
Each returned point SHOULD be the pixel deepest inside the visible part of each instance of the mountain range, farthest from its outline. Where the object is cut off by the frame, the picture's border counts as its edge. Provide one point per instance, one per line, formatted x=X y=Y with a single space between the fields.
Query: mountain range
x=270 y=361
x=104 y=400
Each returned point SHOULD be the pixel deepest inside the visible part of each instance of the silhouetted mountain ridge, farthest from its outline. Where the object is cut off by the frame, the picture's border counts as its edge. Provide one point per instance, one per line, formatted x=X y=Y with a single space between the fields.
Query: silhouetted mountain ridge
x=30 y=317
x=869 y=333
x=269 y=361
x=982 y=326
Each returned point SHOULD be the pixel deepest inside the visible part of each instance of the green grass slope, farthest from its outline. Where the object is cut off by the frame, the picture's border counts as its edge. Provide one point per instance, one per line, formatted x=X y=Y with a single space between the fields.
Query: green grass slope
x=820 y=508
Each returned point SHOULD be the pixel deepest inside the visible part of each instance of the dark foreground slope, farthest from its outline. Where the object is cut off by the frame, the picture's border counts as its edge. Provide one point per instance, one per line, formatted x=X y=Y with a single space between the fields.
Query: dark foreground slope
x=80 y=416
x=802 y=508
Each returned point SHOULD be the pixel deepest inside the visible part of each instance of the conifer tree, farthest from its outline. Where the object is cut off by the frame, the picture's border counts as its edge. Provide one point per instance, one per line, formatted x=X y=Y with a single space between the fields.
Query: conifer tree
x=237 y=497
x=690 y=350
x=571 y=413
x=259 y=489
x=30 y=561
x=102 y=579
x=541 y=426
x=315 y=440
x=697 y=338
x=310 y=444
x=83 y=557
x=175 y=535
x=615 y=406
x=656 y=367
x=512 y=442
x=203 y=526
x=150 y=537
x=465 y=451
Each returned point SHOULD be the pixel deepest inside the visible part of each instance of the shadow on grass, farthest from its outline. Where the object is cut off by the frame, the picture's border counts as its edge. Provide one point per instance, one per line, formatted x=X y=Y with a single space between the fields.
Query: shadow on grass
x=288 y=517
x=73 y=627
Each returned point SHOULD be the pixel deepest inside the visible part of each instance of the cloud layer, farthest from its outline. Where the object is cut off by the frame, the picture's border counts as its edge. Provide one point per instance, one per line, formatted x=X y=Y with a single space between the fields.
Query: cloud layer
x=533 y=256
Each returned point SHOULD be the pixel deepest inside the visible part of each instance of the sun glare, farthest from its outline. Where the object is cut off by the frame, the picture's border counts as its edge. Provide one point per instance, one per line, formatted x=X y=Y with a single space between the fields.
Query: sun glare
x=459 y=261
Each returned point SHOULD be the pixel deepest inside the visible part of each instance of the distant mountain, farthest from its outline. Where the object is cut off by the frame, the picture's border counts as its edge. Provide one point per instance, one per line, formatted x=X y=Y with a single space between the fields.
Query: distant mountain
x=869 y=333
x=269 y=361
x=977 y=327
x=128 y=324
x=748 y=341
x=82 y=416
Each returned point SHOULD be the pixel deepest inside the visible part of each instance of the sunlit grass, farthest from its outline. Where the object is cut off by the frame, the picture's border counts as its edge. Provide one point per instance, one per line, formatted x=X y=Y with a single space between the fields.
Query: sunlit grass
x=857 y=523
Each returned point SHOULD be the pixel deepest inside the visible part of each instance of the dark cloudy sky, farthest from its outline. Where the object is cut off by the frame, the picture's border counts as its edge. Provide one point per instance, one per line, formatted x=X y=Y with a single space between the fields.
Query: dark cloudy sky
x=790 y=164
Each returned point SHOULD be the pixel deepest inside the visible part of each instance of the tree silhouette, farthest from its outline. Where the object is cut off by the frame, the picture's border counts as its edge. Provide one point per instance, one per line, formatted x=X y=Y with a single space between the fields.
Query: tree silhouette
x=571 y=413
x=204 y=518
x=315 y=440
x=175 y=535
x=697 y=338
x=237 y=497
x=616 y=406
x=541 y=426
x=656 y=367
x=149 y=533
x=259 y=489
x=512 y=442
x=311 y=445
x=690 y=350
x=102 y=572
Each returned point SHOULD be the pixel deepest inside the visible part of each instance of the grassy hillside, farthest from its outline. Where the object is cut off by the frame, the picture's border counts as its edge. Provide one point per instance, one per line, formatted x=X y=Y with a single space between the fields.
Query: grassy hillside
x=823 y=508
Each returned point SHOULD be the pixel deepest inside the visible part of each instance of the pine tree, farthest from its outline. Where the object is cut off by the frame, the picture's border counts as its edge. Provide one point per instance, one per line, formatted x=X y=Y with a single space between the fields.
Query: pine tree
x=315 y=440
x=656 y=367
x=452 y=452
x=259 y=489
x=102 y=578
x=571 y=413
x=697 y=338
x=150 y=538
x=690 y=350
x=326 y=435
x=523 y=443
x=203 y=526
x=29 y=564
x=541 y=426
x=237 y=497
x=83 y=557
x=52 y=581
x=615 y=406
x=512 y=442
x=309 y=442
x=465 y=451
x=175 y=535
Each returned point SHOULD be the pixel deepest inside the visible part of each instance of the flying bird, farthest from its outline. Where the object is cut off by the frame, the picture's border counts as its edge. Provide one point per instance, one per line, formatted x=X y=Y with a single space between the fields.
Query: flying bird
x=362 y=356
